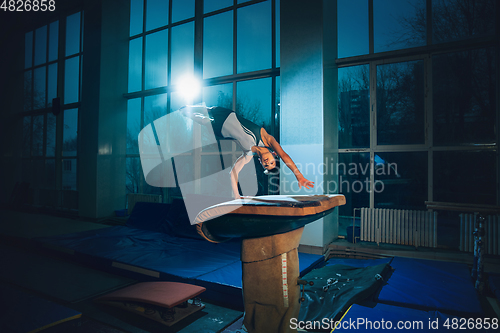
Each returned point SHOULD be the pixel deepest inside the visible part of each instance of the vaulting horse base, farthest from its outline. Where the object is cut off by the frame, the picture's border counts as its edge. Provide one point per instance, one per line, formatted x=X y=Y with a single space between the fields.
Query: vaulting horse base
x=271 y=228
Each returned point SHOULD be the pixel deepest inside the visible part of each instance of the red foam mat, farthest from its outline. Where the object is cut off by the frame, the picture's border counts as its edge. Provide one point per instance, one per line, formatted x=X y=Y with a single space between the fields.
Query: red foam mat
x=165 y=294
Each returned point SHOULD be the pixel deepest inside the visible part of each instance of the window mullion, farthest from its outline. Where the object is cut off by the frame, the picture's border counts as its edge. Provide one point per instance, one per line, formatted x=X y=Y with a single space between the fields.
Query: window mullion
x=198 y=43
x=60 y=93
x=429 y=22
x=429 y=126
x=371 y=43
x=373 y=123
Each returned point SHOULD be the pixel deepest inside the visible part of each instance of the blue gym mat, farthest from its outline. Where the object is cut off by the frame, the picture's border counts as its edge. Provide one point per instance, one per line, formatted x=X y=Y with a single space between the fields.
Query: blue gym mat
x=156 y=245
x=383 y=317
x=431 y=285
x=22 y=313
x=358 y=262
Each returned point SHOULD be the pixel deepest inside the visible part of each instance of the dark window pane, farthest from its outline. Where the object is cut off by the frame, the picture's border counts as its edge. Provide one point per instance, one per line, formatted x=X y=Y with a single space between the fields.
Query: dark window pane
x=254 y=37
x=398 y=24
x=73 y=34
x=220 y=95
x=52 y=84
x=133 y=125
x=352 y=27
x=26 y=136
x=464 y=87
x=53 y=40
x=400 y=103
x=82 y=31
x=28 y=49
x=465 y=177
x=254 y=101
x=177 y=100
x=400 y=180
x=455 y=20
x=212 y=5
x=354 y=107
x=37 y=136
x=70 y=130
x=182 y=10
x=182 y=52
x=133 y=172
x=154 y=107
x=148 y=189
x=28 y=90
x=50 y=174
x=72 y=80
x=186 y=174
x=41 y=45
x=156 y=59
x=136 y=16
x=69 y=174
x=353 y=182
x=218 y=45
x=156 y=14
x=51 y=135
x=39 y=87
x=135 y=65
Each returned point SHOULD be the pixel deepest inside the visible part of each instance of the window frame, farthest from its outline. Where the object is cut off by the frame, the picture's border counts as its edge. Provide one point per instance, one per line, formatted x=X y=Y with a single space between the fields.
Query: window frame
x=57 y=159
x=234 y=78
x=425 y=53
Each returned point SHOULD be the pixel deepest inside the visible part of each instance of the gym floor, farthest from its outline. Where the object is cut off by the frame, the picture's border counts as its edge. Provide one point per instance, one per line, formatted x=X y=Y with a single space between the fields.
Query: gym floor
x=58 y=279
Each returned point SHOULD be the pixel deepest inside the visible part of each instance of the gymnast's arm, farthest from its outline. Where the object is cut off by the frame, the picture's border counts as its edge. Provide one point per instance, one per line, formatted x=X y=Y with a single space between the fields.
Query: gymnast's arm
x=287 y=159
x=235 y=170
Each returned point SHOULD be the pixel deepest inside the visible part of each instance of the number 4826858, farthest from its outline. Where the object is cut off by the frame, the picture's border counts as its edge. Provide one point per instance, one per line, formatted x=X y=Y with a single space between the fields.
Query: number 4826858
x=28 y=5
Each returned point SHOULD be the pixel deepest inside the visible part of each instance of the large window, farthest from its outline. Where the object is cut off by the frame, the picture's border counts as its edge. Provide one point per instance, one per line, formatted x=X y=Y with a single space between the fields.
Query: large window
x=230 y=47
x=52 y=67
x=417 y=102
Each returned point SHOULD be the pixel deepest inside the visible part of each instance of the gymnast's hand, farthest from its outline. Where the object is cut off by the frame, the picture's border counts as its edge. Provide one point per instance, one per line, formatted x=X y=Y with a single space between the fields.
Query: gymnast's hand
x=306 y=183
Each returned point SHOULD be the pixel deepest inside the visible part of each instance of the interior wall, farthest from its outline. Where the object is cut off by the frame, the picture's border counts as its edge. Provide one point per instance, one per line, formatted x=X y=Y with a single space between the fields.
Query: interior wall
x=11 y=97
x=330 y=112
x=103 y=115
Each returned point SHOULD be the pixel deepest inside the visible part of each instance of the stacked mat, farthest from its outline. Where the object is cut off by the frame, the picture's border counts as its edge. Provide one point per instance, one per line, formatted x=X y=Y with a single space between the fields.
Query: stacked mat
x=159 y=244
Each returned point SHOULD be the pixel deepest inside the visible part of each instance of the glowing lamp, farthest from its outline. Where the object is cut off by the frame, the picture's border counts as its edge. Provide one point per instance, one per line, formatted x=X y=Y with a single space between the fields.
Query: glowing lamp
x=189 y=87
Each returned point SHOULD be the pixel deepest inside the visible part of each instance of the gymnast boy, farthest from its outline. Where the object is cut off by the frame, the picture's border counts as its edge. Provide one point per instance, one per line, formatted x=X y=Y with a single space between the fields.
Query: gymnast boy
x=253 y=140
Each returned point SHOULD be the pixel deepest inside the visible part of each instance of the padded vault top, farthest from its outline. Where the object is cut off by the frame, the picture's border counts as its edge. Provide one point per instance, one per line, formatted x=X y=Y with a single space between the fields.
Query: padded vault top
x=274 y=205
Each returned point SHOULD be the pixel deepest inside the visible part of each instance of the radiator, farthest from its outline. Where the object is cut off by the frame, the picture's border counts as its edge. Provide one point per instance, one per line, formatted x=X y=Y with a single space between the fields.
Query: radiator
x=491 y=233
x=395 y=226
x=132 y=198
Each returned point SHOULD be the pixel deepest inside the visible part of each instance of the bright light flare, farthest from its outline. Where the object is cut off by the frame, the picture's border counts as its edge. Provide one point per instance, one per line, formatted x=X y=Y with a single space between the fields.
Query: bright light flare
x=189 y=88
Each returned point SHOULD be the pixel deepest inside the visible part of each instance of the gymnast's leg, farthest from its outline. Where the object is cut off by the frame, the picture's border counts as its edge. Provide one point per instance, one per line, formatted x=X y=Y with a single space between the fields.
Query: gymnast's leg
x=197 y=113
